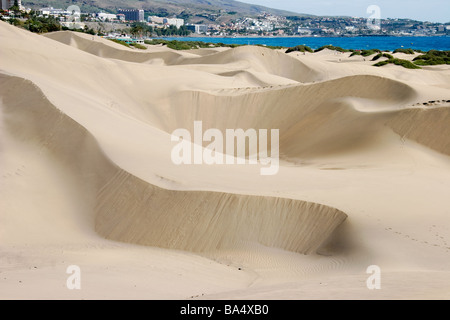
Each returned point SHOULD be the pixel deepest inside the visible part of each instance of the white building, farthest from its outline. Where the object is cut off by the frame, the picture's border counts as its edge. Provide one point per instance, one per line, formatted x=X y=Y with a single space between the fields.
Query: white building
x=50 y=11
x=174 y=22
x=103 y=16
x=197 y=28
x=166 y=21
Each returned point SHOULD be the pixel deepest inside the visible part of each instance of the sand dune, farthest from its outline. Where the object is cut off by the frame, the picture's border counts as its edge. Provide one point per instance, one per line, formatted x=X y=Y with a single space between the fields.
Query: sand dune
x=426 y=126
x=146 y=214
x=86 y=170
x=109 y=49
x=241 y=58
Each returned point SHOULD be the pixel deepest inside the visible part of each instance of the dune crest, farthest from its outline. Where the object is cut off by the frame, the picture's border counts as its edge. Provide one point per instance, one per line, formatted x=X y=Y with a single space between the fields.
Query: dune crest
x=131 y=210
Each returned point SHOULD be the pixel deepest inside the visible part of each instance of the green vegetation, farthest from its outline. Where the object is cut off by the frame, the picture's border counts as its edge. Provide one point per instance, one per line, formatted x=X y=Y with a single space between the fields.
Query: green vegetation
x=172 y=31
x=138 y=46
x=41 y=25
x=89 y=30
x=381 y=63
x=120 y=42
x=365 y=53
x=406 y=51
x=399 y=62
x=141 y=29
x=404 y=63
x=382 y=55
x=330 y=47
x=300 y=48
x=433 y=57
x=135 y=45
x=16 y=22
x=188 y=45
x=270 y=47
x=15 y=7
x=85 y=30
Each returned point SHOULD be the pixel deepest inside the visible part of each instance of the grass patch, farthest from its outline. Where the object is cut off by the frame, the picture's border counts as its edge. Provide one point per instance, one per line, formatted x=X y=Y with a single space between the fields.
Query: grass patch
x=406 y=51
x=330 y=47
x=120 y=42
x=405 y=63
x=300 y=48
x=432 y=58
x=270 y=47
x=365 y=53
x=399 y=62
x=381 y=63
x=382 y=55
x=138 y=46
x=188 y=45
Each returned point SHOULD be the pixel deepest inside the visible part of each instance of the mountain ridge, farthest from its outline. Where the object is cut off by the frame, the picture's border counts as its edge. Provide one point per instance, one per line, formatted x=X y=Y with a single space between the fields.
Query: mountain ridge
x=192 y=10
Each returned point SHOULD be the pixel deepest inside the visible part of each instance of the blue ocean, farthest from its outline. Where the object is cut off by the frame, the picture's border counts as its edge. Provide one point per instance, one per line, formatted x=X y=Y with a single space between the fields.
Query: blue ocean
x=358 y=43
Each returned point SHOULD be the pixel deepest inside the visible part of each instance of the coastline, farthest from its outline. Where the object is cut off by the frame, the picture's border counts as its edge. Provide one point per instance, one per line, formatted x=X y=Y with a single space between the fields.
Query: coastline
x=390 y=43
x=193 y=35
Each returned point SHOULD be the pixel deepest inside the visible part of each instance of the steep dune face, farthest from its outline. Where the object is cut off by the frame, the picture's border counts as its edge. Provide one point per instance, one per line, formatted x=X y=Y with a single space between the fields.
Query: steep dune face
x=329 y=116
x=134 y=211
x=278 y=107
x=429 y=127
x=129 y=209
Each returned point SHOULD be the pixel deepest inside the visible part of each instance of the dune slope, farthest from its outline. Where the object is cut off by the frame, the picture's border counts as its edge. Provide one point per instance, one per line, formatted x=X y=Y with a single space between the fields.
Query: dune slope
x=131 y=210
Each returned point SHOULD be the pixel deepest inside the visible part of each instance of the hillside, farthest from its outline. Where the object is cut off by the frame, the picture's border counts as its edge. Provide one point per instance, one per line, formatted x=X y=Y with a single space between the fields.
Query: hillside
x=192 y=10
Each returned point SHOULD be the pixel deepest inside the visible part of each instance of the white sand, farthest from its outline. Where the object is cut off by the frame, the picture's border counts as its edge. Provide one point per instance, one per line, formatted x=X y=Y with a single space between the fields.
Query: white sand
x=86 y=176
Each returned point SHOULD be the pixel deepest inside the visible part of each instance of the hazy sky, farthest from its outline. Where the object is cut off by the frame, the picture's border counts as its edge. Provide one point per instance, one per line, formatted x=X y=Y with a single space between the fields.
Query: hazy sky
x=425 y=10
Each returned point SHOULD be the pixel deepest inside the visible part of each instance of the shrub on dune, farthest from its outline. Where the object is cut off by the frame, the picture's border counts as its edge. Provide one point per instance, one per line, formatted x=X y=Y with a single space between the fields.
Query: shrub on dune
x=120 y=42
x=333 y=48
x=382 y=55
x=300 y=48
x=405 y=63
x=433 y=57
x=365 y=53
x=138 y=46
x=188 y=45
x=406 y=51
x=399 y=62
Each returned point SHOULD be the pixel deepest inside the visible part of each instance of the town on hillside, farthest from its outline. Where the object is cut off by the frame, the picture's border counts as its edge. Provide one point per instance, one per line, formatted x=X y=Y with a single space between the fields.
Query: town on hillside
x=264 y=24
